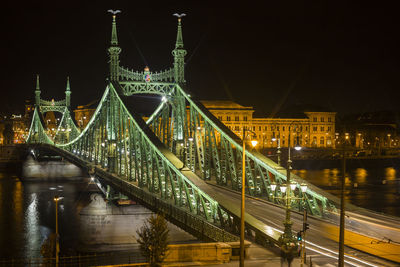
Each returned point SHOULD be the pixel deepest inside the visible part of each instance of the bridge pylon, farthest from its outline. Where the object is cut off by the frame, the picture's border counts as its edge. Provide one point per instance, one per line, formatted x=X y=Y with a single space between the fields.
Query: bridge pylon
x=66 y=128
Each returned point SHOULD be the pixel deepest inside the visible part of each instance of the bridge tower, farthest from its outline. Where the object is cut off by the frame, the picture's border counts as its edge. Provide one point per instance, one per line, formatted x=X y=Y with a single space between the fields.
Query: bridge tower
x=66 y=129
x=114 y=50
x=37 y=92
x=179 y=54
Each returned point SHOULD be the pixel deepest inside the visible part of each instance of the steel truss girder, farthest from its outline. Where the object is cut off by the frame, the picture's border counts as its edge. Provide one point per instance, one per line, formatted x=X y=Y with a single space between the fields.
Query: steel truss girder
x=159 y=88
x=110 y=121
x=67 y=129
x=219 y=157
x=45 y=109
x=37 y=133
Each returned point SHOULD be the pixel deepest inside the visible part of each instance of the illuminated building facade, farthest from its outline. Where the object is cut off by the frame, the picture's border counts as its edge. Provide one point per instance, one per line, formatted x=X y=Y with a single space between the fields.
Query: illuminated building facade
x=312 y=129
x=84 y=113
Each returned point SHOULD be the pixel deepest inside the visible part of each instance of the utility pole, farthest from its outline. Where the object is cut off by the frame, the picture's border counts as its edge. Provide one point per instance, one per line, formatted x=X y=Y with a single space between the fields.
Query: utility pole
x=342 y=208
x=303 y=240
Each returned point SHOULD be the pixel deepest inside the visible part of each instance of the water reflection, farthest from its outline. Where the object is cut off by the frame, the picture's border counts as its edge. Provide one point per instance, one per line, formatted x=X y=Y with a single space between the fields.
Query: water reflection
x=27 y=215
x=390 y=174
x=373 y=188
x=32 y=226
x=360 y=175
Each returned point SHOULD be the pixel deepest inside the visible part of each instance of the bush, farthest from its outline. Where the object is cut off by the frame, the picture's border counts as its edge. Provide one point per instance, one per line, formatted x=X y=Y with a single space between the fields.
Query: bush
x=154 y=239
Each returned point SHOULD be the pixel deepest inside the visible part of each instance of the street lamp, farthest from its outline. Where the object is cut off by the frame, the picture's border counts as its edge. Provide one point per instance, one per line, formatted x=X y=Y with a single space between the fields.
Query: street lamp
x=288 y=243
x=253 y=143
x=56 y=199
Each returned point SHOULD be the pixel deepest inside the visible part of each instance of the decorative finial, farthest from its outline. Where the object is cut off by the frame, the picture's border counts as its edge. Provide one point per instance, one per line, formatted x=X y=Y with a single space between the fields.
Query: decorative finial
x=114 y=12
x=179 y=16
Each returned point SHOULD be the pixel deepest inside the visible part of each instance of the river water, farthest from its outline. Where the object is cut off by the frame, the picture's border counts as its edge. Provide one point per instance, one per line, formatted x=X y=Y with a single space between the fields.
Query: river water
x=27 y=214
x=87 y=223
x=376 y=188
x=27 y=211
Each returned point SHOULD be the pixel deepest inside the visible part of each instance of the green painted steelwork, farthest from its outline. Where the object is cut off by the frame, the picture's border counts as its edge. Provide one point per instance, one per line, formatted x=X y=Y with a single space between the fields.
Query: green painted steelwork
x=37 y=134
x=115 y=140
x=66 y=129
x=181 y=142
x=202 y=142
x=218 y=156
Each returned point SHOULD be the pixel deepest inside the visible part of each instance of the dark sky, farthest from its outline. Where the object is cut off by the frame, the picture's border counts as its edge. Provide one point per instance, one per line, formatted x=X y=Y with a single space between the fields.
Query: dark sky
x=343 y=56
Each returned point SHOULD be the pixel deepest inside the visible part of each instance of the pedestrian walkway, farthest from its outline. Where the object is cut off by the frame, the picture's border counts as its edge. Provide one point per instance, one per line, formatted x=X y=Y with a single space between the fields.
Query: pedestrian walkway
x=257 y=256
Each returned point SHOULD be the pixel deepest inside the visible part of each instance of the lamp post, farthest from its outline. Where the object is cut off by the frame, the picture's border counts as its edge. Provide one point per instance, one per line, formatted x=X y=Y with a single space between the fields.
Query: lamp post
x=342 y=205
x=56 y=199
x=253 y=143
x=288 y=243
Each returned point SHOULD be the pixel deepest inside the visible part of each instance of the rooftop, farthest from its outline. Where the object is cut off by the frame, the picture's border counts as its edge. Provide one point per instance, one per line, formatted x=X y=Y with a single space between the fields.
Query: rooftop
x=223 y=104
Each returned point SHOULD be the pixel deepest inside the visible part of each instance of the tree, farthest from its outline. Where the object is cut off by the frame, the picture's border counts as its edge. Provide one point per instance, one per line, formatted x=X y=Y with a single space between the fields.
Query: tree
x=154 y=239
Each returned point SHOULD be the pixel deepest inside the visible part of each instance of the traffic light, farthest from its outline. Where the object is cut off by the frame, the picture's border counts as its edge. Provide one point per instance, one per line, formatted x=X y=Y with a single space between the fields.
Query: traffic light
x=305 y=226
x=299 y=237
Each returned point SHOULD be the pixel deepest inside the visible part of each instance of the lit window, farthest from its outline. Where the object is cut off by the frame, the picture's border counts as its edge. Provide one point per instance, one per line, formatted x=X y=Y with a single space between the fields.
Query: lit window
x=321 y=140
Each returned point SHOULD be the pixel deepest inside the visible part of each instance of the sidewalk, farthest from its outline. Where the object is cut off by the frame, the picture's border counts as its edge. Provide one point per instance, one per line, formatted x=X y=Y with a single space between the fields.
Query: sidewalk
x=258 y=256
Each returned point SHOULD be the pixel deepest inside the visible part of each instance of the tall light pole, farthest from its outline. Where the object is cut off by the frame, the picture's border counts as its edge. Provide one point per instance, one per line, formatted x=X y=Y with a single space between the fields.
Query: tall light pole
x=288 y=243
x=342 y=206
x=254 y=143
x=56 y=199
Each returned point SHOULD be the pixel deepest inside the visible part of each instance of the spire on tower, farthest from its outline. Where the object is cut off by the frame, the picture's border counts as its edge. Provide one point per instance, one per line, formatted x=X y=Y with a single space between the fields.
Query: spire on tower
x=179 y=39
x=68 y=94
x=68 y=87
x=37 y=92
x=114 y=37
x=37 y=82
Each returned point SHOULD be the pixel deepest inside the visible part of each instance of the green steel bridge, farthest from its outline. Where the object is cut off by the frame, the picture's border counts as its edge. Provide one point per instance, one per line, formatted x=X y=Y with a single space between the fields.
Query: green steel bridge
x=170 y=161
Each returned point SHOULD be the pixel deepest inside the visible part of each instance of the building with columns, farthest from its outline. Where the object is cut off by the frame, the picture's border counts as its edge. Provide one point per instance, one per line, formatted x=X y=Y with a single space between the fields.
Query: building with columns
x=313 y=128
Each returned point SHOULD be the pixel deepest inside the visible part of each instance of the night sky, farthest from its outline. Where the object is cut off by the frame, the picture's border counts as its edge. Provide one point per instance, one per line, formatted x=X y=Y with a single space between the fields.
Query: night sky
x=342 y=56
